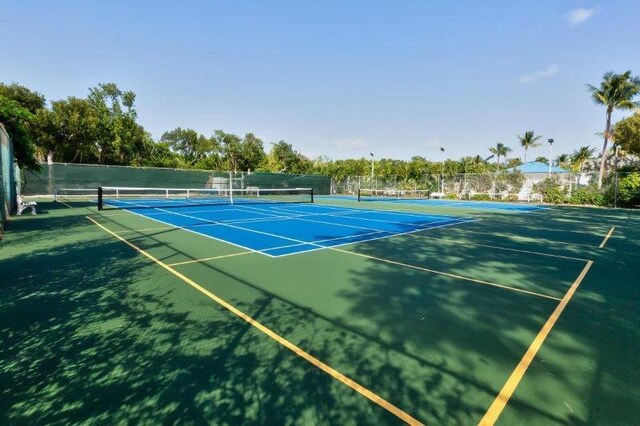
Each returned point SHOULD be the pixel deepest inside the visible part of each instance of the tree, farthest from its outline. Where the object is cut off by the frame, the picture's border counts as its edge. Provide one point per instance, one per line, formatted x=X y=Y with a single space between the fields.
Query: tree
x=283 y=158
x=21 y=127
x=564 y=161
x=230 y=148
x=32 y=101
x=542 y=159
x=190 y=144
x=68 y=130
x=118 y=136
x=580 y=156
x=500 y=150
x=251 y=153
x=529 y=140
x=616 y=91
x=16 y=118
x=627 y=133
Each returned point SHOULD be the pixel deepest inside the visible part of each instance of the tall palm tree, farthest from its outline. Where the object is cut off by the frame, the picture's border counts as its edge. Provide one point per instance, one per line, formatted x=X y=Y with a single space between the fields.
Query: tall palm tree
x=529 y=140
x=581 y=156
x=500 y=150
x=616 y=91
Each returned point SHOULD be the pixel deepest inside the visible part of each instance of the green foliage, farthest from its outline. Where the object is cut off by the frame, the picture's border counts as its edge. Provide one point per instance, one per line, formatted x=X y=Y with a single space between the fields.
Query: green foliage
x=32 y=101
x=627 y=133
x=480 y=197
x=588 y=195
x=16 y=119
x=512 y=197
x=451 y=196
x=580 y=157
x=629 y=190
x=283 y=158
x=551 y=190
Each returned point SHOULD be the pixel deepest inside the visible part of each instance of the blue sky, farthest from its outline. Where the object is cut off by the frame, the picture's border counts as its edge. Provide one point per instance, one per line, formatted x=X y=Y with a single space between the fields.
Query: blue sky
x=337 y=78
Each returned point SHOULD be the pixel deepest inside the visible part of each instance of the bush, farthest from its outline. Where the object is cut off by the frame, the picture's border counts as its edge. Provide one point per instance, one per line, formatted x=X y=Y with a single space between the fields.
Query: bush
x=588 y=195
x=551 y=190
x=629 y=190
x=512 y=197
x=480 y=197
x=451 y=196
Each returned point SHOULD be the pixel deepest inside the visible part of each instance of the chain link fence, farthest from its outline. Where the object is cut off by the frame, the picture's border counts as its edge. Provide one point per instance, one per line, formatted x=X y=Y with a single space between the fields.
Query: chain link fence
x=621 y=189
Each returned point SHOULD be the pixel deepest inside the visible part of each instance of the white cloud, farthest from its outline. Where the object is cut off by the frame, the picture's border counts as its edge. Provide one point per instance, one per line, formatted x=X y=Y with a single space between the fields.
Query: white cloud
x=350 y=144
x=538 y=75
x=580 y=15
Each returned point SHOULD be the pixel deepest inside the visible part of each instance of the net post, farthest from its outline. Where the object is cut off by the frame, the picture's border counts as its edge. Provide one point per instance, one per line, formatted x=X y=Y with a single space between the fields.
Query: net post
x=230 y=187
x=99 y=198
x=312 y=195
x=358 y=194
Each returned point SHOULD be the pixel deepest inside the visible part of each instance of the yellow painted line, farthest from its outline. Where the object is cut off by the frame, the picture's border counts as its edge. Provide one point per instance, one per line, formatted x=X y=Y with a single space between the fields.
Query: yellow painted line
x=606 y=238
x=211 y=258
x=501 y=248
x=510 y=386
x=447 y=274
x=157 y=228
x=281 y=340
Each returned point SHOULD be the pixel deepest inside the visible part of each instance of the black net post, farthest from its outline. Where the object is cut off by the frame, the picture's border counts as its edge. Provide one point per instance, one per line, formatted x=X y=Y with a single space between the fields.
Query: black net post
x=99 y=198
x=312 y=195
x=358 y=194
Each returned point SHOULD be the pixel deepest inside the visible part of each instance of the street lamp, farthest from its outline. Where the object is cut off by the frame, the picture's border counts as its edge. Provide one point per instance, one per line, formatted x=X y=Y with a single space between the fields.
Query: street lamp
x=372 y=162
x=550 y=144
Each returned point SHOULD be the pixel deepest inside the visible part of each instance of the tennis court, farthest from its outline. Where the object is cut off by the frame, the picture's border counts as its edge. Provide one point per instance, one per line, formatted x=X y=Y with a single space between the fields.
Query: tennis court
x=335 y=311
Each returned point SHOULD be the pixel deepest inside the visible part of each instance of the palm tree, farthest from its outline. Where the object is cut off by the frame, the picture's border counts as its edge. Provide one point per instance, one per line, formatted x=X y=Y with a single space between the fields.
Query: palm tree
x=581 y=156
x=500 y=150
x=563 y=160
x=616 y=91
x=529 y=140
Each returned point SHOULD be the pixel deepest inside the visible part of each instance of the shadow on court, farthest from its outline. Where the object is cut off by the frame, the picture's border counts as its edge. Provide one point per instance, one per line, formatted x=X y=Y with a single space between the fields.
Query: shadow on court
x=94 y=332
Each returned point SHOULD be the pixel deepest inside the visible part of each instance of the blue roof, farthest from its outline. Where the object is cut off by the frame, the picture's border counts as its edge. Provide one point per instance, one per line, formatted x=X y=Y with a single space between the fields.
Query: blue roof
x=538 y=167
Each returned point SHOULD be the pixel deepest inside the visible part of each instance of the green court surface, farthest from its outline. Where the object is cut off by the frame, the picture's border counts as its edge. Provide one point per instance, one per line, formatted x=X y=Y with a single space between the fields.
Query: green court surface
x=515 y=318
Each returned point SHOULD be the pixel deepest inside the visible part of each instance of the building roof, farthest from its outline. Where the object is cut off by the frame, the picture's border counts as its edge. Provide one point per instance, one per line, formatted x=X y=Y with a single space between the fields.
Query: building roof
x=537 y=167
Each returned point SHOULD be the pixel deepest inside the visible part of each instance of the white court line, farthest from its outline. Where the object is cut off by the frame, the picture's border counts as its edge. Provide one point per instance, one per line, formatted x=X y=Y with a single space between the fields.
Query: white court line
x=364 y=241
x=199 y=233
x=300 y=242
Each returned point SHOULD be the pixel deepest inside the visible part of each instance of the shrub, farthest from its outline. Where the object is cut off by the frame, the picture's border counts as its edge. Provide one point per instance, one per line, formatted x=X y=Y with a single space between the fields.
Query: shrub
x=451 y=196
x=480 y=197
x=512 y=197
x=551 y=190
x=629 y=190
x=588 y=195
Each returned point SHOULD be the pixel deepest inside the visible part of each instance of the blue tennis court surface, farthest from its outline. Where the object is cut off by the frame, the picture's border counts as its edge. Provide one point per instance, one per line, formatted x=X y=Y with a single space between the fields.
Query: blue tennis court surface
x=488 y=205
x=284 y=229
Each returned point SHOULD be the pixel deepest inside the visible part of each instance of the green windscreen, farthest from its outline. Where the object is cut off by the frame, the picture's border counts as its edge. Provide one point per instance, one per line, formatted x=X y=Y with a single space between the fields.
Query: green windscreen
x=7 y=178
x=84 y=176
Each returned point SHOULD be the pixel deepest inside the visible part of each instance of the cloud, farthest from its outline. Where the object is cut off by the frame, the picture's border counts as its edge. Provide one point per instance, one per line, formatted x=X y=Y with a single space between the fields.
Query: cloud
x=538 y=75
x=580 y=15
x=350 y=144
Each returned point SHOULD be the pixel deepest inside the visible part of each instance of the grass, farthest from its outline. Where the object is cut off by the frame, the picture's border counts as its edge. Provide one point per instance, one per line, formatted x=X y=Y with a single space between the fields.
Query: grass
x=93 y=331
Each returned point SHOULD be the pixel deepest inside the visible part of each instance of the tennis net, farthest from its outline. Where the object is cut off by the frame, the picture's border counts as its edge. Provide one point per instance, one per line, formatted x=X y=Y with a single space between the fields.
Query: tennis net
x=391 y=194
x=75 y=194
x=138 y=198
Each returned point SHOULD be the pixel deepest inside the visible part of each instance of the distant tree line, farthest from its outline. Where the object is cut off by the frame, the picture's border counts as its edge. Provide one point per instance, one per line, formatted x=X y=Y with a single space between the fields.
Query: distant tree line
x=102 y=128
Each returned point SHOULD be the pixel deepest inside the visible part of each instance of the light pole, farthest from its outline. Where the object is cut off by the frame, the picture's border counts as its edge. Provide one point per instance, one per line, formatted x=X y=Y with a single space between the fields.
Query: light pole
x=372 y=163
x=442 y=172
x=550 y=144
